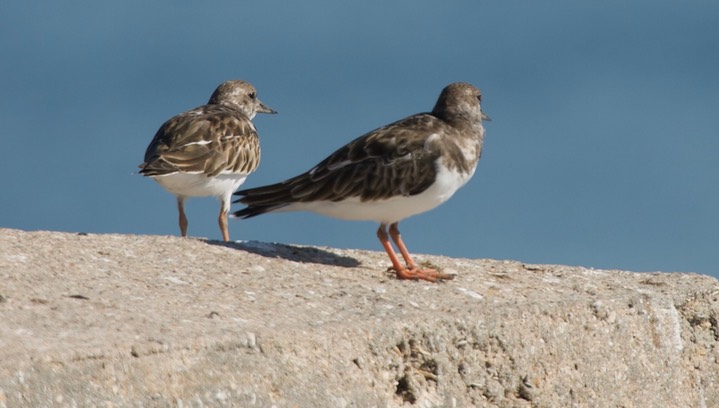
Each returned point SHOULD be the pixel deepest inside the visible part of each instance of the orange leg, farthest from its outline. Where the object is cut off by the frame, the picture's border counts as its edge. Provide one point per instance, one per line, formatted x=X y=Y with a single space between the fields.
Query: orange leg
x=384 y=239
x=394 y=233
x=183 y=218
x=412 y=271
x=223 y=225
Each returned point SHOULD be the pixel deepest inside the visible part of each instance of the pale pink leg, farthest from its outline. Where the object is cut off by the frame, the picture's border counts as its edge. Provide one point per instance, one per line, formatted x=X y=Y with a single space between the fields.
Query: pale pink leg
x=183 y=218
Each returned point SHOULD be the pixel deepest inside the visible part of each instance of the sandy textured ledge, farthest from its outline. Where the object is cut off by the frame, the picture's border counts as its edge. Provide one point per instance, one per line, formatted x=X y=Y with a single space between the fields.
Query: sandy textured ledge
x=123 y=320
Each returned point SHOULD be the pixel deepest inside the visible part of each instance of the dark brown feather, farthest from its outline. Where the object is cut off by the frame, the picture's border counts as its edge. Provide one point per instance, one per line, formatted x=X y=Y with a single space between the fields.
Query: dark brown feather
x=393 y=160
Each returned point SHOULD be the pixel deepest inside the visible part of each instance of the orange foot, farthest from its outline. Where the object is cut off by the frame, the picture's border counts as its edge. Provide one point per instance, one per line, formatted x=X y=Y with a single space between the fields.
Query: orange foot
x=415 y=273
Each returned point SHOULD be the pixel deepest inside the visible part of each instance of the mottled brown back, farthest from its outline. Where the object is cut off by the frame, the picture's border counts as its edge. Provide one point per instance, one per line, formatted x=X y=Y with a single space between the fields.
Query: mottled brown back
x=210 y=139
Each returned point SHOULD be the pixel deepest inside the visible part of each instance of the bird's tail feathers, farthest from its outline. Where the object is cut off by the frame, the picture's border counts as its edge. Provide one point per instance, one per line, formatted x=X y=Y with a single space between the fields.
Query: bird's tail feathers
x=255 y=210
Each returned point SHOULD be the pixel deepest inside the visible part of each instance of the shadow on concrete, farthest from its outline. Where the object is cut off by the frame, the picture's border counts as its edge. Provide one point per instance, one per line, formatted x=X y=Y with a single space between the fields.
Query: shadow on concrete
x=294 y=253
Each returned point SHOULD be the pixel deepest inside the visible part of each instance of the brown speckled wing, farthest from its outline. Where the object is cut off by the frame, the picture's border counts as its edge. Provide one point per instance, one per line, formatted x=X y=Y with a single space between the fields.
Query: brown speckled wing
x=210 y=139
x=390 y=161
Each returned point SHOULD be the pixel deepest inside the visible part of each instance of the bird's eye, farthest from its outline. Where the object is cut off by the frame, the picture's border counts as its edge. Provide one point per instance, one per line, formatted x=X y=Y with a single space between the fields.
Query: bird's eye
x=252 y=95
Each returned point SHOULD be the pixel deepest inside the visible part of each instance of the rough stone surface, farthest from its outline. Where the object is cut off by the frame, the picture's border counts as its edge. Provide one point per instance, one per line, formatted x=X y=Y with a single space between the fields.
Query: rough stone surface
x=122 y=320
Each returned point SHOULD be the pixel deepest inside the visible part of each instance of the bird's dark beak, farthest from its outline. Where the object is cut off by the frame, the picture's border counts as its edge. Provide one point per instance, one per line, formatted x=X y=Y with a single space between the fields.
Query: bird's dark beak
x=265 y=109
x=486 y=117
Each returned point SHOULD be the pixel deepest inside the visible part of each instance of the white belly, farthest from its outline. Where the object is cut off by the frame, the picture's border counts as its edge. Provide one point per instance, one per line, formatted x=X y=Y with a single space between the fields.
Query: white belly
x=199 y=185
x=392 y=209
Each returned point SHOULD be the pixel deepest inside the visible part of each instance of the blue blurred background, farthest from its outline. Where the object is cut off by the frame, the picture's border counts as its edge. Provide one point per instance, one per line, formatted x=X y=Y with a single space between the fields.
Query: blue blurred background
x=602 y=151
